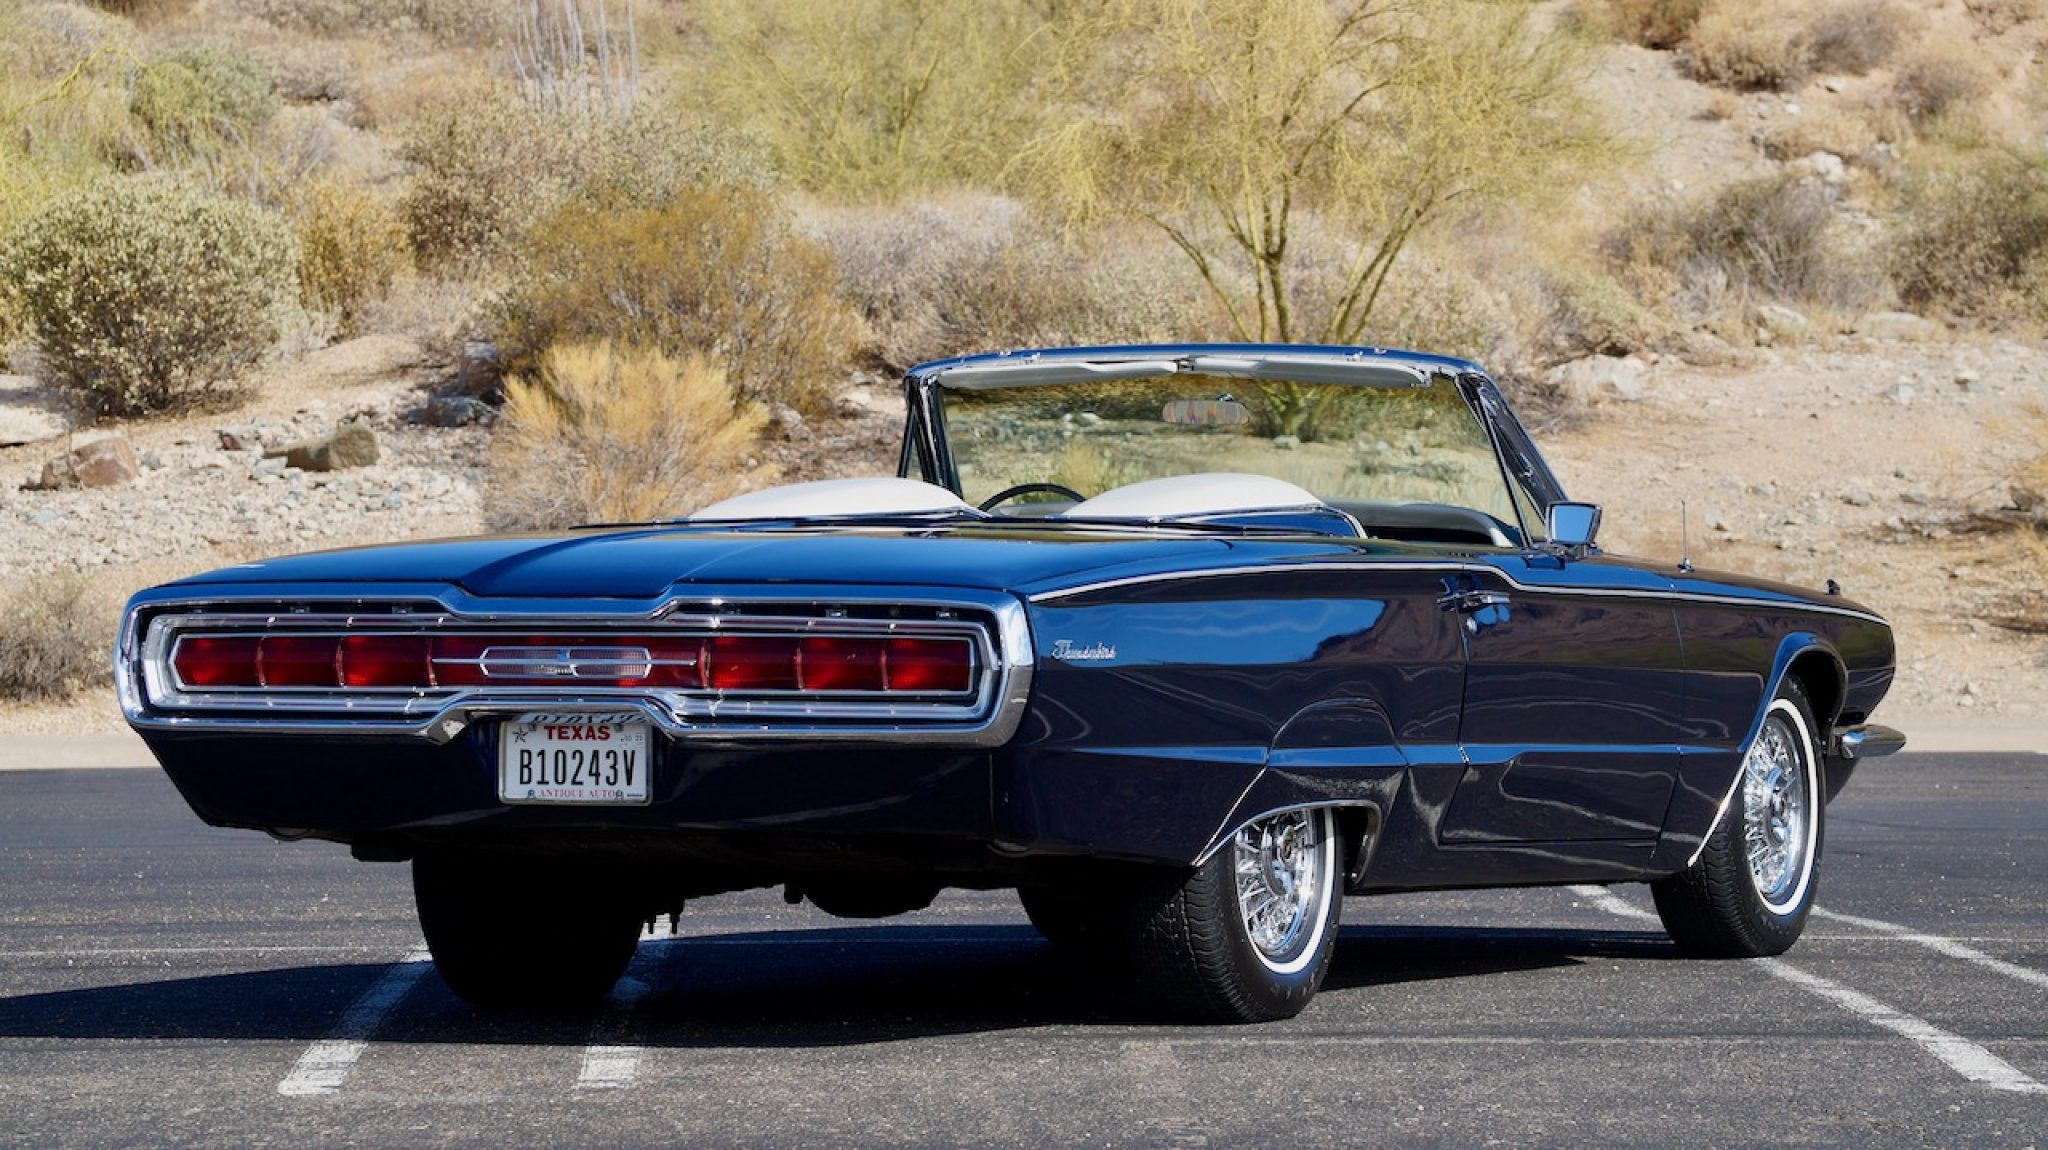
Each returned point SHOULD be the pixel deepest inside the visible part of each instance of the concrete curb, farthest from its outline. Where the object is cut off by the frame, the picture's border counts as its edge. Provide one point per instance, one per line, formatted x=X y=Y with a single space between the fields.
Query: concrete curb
x=123 y=749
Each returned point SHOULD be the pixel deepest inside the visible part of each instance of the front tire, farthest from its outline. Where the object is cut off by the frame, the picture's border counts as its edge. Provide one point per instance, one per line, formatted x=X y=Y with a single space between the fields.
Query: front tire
x=502 y=939
x=1248 y=935
x=1749 y=892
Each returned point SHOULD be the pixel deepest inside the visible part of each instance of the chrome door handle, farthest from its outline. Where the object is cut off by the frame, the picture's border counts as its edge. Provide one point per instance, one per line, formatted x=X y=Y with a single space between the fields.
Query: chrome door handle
x=1469 y=600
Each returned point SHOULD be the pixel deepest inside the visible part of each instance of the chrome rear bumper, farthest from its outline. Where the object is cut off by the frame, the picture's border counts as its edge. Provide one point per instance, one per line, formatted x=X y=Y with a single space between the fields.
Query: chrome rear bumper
x=1865 y=741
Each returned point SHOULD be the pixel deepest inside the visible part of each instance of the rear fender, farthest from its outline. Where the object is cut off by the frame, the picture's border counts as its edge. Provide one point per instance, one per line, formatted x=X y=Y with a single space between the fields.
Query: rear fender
x=1338 y=754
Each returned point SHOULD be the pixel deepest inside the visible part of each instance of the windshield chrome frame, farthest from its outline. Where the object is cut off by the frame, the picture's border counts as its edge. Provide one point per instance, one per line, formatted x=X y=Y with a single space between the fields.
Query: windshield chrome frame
x=925 y=446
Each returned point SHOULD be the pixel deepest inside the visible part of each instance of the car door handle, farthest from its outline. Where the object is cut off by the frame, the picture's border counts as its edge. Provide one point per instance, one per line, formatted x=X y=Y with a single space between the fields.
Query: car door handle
x=1470 y=600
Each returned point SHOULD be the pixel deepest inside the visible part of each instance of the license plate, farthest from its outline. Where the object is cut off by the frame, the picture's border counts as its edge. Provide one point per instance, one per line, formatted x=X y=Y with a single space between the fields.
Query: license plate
x=574 y=758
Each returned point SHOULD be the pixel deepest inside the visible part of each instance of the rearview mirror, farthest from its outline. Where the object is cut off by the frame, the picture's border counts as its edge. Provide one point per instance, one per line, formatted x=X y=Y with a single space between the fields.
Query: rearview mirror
x=1572 y=524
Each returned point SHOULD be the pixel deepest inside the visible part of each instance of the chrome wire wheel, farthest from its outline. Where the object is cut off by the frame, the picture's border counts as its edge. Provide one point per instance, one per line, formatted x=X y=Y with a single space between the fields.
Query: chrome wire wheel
x=1283 y=866
x=1777 y=805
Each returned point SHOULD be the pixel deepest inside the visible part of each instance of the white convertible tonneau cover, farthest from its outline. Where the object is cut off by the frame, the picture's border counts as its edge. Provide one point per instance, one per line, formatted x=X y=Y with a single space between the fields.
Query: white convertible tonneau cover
x=1181 y=496
x=838 y=498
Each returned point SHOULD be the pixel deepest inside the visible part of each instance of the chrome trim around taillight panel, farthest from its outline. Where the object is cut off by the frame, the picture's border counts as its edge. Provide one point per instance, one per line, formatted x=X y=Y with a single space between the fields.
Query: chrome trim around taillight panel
x=153 y=699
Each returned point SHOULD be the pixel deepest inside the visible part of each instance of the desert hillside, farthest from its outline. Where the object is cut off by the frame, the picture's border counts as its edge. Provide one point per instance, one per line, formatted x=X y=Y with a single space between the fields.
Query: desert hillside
x=429 y=267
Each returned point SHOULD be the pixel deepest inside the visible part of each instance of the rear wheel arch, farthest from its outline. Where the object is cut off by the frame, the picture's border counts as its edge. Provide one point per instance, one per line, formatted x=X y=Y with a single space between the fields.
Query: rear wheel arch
x=1820 y=671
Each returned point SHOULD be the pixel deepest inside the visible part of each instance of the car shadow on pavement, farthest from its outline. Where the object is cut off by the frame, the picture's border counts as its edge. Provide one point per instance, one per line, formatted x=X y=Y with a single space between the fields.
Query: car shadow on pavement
x=804 y=988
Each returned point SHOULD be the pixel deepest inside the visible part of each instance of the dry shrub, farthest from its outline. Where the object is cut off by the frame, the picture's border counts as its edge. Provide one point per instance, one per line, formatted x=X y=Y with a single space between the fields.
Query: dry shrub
x=1768 y=237
x=310 y=71
x=351 y=245
x=610 y=434
x=940 y=278
x=441 y=315
x=1845 y=131
x=1651 y=23
x=1854 y=36
x=719 y=269
x=1973 y=240
x=488 y=168
x=56 y=636
x=1751 y=44
x=1591 y=313
x=2001 y=16
x=1942 y=77
x=452 y=22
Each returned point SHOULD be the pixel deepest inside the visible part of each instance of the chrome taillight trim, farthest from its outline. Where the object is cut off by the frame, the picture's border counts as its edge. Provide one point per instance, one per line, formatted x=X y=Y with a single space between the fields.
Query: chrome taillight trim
x=995 y=624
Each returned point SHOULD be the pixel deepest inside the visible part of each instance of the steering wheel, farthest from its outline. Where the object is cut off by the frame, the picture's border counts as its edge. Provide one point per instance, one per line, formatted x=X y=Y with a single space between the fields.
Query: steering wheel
x=1009 y=493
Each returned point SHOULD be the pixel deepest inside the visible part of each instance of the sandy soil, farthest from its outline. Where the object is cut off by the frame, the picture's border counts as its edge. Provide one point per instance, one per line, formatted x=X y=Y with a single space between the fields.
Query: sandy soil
x=1816 y=464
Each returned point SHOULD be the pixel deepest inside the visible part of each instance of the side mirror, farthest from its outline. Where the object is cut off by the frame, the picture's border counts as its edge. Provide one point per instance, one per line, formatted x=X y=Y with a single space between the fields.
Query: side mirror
x=1572 y=525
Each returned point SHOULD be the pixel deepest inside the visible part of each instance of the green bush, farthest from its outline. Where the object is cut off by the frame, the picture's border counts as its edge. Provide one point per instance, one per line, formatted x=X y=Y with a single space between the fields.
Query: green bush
x=1974 y=240
x=145 y=295
x=191 y=99
x=717 y=270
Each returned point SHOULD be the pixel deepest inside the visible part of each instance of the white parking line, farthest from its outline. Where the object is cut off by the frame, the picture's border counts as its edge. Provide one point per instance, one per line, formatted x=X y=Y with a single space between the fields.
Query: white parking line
x=1940 y=944
x=325 y=1064
x=1959 y=1054
x=609 y=1062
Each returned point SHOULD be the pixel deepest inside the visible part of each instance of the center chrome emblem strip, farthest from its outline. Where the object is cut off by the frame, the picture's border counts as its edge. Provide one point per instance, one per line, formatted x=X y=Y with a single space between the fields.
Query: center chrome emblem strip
x=568 y=662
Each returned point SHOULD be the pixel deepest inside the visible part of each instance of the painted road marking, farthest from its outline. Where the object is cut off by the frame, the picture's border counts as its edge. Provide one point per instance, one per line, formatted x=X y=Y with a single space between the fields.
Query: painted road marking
x=326 y=1064
x=1952 y=947
x=609 y=1061
x=1959 y=1054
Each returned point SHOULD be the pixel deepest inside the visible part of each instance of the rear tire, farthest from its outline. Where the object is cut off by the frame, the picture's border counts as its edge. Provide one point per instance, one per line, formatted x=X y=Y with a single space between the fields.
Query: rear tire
x=1076 y=921
x=501 y=940
x=1246 y=936
x=1750 y=890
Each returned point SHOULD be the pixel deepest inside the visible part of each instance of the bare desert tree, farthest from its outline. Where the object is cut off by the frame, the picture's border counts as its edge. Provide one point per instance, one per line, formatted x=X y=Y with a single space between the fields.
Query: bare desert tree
x=1240 y=127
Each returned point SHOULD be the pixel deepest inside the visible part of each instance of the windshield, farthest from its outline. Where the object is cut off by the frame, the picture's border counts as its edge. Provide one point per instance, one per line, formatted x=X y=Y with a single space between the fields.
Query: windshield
x=1351 y=446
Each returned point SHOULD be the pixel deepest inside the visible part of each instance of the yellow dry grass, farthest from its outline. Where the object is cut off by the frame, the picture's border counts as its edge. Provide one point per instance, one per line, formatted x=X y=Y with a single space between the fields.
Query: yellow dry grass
x=612 y=434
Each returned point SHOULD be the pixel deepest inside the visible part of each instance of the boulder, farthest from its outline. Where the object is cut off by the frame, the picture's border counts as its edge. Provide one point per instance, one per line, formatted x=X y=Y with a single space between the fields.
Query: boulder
x=784 y=422
x=1600 y=378
x=104 y=462
x=1779 y=321
x=452 y=411
x=1901 y=326
x=350 y=445
x=28 y=412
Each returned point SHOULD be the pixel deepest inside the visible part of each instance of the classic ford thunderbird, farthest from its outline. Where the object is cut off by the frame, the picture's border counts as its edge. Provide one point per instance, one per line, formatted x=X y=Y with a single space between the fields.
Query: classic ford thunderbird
x=1182 y=643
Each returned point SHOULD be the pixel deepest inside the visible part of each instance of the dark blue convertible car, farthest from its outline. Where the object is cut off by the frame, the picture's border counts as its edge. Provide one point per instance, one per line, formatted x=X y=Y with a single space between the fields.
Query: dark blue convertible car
x=1182 y=643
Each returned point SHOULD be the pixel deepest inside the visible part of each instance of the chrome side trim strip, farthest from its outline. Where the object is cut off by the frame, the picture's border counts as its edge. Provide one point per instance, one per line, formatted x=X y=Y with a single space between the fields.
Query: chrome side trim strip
x=1459 y=568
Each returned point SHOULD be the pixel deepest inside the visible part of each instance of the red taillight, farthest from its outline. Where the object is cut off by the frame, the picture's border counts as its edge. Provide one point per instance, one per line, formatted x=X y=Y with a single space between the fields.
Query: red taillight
x=930 y=665
x=297 y=661
x=216 y=661
x=675 y=662
x=825 y=663
x=750 y=663
x=726 y=662
x=384 y=661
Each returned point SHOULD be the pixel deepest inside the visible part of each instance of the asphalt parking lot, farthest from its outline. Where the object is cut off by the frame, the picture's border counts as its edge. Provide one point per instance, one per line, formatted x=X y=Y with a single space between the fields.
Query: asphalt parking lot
x=163 y=983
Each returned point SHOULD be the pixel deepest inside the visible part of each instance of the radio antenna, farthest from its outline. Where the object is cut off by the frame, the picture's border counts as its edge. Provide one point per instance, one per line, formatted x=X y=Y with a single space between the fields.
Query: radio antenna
x=1684 y=539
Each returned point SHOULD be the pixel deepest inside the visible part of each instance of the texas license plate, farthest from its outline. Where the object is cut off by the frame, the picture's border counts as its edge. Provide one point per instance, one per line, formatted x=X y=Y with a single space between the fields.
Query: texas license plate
x=574 y=758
